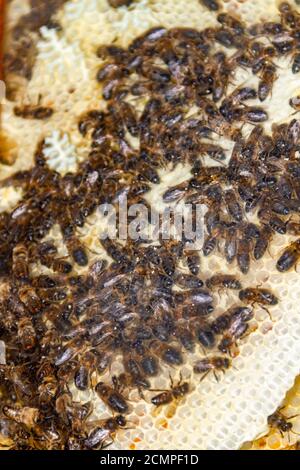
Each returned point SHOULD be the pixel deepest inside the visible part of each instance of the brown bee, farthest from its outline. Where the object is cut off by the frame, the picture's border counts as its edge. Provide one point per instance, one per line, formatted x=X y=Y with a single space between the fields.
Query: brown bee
x=293 y=228
x=89 y=121
x=278 y=420
x=267 y=78
x=30 y=299
x=237 y=328
x=259 y=296
x=33 y=112
x=231 y=22
x=289 y=17
x=27 y=334
x=226 y=281
x=77 y=251
x=212 y=364
x=105 y=431
x=193 y=261
x=20 y=262
x=58 y=265
x=176 y=393
x=22 y=415
x=212 y=5
x=262 y=242
x=289 y=257
x=295 y=103
x=112 y=398
x=243 y=255
x=188 y=281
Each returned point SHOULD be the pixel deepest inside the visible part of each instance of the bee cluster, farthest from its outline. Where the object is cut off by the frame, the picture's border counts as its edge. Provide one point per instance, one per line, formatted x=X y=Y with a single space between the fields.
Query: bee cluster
x=64 y=329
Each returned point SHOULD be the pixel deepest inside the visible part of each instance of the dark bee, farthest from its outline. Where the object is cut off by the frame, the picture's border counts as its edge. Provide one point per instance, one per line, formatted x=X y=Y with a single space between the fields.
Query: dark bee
x=188 y=281
x=206 y=336
x=112 y=398
x=267 y=79
x=81 y=378
x=149 y=365
x=30 y=299
x=175 y=193
x=262 y=242
x=223 y=321
x=226 y=281
x=138 y=380
x=243 y=255
x=169 y=354
x=238 y=326
x=193 y=261
x=233 y=206
x=168 y=264
x=289 y=257
x=212 y=5
x=77 y=251
x=212 y=364
x=210 y=244
x=254 y=115
x=89 y=121
x=277 y=420
x=230 y=22
x=296 y=63
x=186 y=338
x=33 y=112
x=103 y=435
x=225 y=37
x=251 y=231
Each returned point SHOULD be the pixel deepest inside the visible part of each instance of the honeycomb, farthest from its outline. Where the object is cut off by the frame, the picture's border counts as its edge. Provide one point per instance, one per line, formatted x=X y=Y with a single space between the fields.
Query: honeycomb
x=215 y=415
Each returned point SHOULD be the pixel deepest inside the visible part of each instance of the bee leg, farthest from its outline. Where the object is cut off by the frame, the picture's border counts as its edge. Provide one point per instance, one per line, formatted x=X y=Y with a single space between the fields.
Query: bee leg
x=216 y=376
x=204 y=375
x=180 y=378
x=292 y=417
x=141 y=394
x=104 y=446
x=171 y=380
x=266 y=310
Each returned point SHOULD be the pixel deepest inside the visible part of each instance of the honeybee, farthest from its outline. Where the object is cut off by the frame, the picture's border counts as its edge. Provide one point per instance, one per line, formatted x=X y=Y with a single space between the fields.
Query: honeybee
x=173 y=396
x=112 y=398
x=226 y=281
x=33 y=112
x=279 y=421
x=20 y=261
x=105 y=431
x=289 y=257
x=22 y=415
x=211 y=364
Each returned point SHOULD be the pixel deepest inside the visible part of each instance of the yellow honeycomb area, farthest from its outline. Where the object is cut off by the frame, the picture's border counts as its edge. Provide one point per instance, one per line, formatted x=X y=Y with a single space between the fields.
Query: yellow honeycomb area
x=215 y=415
